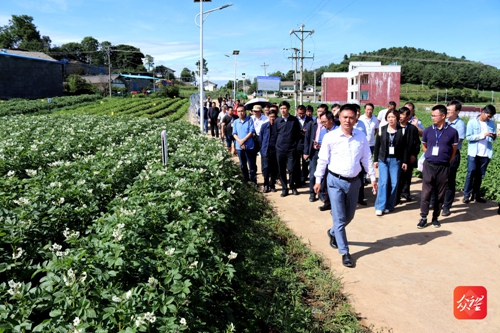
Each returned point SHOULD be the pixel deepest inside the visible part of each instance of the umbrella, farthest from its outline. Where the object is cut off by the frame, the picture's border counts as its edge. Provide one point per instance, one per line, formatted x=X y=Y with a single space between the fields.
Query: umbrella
x=256 y=101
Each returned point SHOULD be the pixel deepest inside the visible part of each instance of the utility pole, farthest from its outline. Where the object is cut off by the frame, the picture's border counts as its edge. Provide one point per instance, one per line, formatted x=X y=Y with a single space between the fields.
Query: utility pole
x=314 y=87
x=264 y=66
x=109 y=69
x=295 y=57
x=302 y=38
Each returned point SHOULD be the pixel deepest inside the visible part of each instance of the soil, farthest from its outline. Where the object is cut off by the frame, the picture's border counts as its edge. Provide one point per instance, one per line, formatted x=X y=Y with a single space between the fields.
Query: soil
x=404 y=278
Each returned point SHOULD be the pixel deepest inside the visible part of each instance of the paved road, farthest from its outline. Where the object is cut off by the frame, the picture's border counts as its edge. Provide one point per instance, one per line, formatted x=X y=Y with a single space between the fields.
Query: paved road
x=404 y=277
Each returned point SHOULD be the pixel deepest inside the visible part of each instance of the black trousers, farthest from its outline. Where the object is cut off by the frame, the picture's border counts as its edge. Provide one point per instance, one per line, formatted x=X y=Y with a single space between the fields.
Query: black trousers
x=214 y=129
x=287 y=161
x=451 y=184
x=434 y=179
x=269 y=167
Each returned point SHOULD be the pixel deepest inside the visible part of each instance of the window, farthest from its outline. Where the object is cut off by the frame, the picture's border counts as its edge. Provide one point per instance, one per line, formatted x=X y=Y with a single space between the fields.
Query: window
x=365 y=95
x=364 y=79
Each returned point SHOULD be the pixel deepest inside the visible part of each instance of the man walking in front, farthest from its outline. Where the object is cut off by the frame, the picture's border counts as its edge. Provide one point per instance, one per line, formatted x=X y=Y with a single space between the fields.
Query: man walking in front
x=342 y=152
x=439 y=143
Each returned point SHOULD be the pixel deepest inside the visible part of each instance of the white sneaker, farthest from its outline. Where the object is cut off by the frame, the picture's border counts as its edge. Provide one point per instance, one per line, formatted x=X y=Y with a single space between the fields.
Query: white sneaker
x=378 y=213
x=386 y=211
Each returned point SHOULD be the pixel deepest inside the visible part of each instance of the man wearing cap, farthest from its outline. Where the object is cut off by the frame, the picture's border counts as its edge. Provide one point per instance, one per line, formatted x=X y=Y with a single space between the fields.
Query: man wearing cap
x=258 y=118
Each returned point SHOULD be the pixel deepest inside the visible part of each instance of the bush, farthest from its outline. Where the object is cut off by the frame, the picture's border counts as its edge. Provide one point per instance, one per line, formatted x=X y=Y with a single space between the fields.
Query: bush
x=168 y=91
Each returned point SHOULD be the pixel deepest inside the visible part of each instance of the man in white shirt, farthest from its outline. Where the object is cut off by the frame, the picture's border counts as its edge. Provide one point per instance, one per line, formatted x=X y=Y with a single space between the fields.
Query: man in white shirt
x=371 y=125
x=258 y=118
x=382 y=113
x=342 y=152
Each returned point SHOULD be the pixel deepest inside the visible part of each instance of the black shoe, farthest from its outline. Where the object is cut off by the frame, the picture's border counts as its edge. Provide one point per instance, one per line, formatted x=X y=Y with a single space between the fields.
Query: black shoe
x=284 y=193
x=333 y=241
x=312 y=198
x=436 y=223
x=362 y=202
x=480 y=200
x=325 y=207
x=445 y=212
x=431 y=207
x=407 y=197
x=266 y=189
x=466 y=200
x=321 y=197
x=346 y=260
x=273 y=189
x=422 y=223
x=294 y=191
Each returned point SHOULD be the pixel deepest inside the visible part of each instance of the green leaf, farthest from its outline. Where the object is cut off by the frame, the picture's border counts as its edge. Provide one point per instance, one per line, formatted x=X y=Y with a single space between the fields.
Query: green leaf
x=55 y=313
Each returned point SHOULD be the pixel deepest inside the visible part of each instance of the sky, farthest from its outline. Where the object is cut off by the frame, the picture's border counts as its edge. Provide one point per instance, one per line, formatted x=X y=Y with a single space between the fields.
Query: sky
x=260 y=29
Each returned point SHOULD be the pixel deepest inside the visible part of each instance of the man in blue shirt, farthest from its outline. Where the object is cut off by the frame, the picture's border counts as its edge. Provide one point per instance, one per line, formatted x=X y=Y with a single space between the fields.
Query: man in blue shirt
x=439 y=143
x=243 y=130
x=480 y=134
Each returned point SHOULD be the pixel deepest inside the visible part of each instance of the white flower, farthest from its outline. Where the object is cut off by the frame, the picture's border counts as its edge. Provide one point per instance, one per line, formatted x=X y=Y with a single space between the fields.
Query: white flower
x=139 y=321
x=71 y=274
x=76 y=321
x=55 y=247
x=22 y=201
x=83 y=277
x=170 y=251
x=151 y=281
x=90 y=191
x=232 y=328
x=11 y=173
x=183 y=322
x=149 y=316
x=31 y=173
x=194 y=264
x=116 y=299
x=61 y=201
x=128 y=294
x=232 y=255
x=18 y=254
x=80 y=182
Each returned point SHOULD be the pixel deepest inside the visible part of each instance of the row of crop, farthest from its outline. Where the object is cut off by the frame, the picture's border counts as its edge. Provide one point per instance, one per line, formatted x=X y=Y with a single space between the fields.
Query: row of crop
x=30 y=143
x=171 y=109
x=71 y=193
x=25 y=106
x=107 y=106
x=152 y=108
x=155 y=261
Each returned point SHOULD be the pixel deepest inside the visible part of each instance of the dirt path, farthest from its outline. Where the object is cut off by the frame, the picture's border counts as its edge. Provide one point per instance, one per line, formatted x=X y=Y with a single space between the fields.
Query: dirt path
x=404 y=277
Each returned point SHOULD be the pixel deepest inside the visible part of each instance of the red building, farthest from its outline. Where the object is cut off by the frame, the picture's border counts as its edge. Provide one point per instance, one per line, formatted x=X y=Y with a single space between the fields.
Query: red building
x=365 y=82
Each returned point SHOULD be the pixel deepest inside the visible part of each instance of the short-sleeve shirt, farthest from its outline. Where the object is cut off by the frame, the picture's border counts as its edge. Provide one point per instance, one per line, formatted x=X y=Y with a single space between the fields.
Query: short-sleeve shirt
x=444 y=139
x=228 y=124
x=371 y=124
x=459 y=125
x=242 y=128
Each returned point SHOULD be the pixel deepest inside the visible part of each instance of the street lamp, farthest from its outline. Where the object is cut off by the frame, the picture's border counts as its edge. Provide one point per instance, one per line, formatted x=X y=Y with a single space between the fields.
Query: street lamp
x=203 y=18
x=243 y=77
x=235 y=53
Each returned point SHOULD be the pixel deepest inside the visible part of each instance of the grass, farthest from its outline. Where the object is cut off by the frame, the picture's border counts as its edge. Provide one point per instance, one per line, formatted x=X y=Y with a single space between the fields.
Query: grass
x=284 y=286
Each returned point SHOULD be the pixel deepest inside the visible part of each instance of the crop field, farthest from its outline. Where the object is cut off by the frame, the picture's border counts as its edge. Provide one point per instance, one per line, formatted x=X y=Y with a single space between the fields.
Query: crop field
x=97 y=235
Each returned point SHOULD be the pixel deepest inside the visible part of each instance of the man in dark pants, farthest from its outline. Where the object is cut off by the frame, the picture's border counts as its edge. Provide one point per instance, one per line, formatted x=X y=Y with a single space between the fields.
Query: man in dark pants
x=213 y=113
x=288 y=132
x=310 y=152
x=453 y=108
x=302 y=168
x=439 y=143
x=268 y=152
x=329 y=123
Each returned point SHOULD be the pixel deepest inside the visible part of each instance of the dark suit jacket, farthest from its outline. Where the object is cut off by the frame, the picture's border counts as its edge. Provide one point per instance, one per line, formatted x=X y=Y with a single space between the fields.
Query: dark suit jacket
x=401 y=147
x=413 y=139
x=288 y=134
x=300 y=144
x=311 y=129
x=265 y=135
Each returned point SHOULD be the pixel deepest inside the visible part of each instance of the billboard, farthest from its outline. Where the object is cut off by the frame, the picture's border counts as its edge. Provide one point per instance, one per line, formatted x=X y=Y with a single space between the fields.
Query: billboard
x=268 y=83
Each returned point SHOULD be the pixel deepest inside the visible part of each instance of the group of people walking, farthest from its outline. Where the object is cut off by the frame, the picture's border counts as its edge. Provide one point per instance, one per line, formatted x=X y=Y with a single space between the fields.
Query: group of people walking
x=338 y=152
